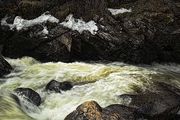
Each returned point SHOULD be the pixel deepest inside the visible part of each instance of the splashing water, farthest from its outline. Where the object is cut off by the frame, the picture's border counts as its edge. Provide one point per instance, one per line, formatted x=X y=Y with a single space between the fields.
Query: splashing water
x=94 y=81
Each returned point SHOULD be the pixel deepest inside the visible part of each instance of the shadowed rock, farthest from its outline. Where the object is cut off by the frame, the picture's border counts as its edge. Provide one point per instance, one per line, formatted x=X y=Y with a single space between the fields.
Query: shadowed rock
x=161 y=104
x=5 y=67
x=150 y=33
x=29 y=95
x=92 y=111
x=58 y=86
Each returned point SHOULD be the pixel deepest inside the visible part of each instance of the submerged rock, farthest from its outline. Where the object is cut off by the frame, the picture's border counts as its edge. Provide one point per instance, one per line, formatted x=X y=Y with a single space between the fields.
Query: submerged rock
x=58 y=86
x=91 y=110
x=5 y=67
x=162 y=104
x=29 y=94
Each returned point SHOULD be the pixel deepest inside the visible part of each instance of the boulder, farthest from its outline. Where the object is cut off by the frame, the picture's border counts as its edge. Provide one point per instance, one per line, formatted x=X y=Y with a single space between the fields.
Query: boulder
x=87 y=111
x=114 y=111
x=29 y=94
x=29 y=43
x=5 y=67
x=91 y=110
x=58 y=86
x=161 y=103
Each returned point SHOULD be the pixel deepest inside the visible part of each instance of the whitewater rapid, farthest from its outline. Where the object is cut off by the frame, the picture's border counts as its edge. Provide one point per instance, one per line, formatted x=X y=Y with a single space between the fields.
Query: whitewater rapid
x=102 y=82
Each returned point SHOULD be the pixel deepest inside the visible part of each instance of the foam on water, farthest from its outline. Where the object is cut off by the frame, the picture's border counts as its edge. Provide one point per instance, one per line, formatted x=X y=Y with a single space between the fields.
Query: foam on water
x=104 y=82
x=9 y=109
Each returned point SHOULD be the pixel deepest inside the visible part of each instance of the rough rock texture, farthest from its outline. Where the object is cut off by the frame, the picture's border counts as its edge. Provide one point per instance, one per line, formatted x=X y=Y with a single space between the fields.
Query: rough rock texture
x=58 y=86
x=92 y=111
x=5 y=67
x=150 y=33
x=161 y=103
x=29 y=94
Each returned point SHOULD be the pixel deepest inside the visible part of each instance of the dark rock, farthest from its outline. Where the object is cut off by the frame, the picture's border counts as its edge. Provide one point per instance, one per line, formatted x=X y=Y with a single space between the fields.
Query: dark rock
x=162 y=104
x=88 y=8
x=66 y=85
x=58 y=86
x=53 y=86
x=29 y=94
x=5 y=67
x=8 y=7
x=124 y=112
x=150 y=33
x=177 y=117
x=118 y=3
x=44 y=49
x=92 y=111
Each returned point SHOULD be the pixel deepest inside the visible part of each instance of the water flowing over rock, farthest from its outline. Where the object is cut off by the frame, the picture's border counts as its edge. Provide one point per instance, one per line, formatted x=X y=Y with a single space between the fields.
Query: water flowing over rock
x=9 y=108
x=92 y=111
x=162 y=104
x=58 y=86
x=29 y=95
x=5 y=67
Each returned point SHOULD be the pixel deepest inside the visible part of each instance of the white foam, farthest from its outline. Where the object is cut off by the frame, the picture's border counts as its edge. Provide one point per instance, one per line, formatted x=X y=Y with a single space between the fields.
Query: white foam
x=119 y=11
x=80 y=25
x=20 y=23
x=112 y=80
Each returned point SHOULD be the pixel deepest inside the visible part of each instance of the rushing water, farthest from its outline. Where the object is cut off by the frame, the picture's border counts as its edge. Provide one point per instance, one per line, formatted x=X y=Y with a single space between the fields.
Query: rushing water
x=95 y=81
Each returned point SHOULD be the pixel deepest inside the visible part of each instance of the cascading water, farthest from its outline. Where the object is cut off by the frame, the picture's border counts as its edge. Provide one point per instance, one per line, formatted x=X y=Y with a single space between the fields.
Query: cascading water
x=93 y=81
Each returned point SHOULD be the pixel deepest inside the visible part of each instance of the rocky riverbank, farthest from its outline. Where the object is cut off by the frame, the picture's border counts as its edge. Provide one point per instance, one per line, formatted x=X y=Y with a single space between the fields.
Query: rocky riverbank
x=148 y=33
x=130 y=31
x=162 y=104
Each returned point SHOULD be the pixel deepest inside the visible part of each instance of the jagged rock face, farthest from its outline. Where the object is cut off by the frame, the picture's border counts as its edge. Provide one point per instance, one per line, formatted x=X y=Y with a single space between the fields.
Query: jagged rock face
x=150 y=33
x=5 y=67
x=153 y=26
x=28 y=8
x=29 y=43
x=33 y=8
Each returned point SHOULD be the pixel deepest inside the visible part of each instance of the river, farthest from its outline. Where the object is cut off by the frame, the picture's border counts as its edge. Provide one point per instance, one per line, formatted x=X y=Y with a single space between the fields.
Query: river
x=102 y=82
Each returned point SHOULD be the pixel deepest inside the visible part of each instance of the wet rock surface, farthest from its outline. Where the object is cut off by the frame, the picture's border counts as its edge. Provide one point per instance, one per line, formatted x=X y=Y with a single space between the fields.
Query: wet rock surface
x=58 y=86
x=29 y=95
x=150 y=33
x=161 y=103
x=92 y=111
x=5 y=67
